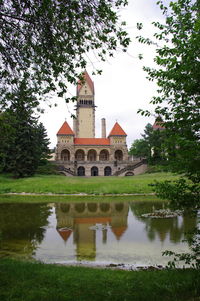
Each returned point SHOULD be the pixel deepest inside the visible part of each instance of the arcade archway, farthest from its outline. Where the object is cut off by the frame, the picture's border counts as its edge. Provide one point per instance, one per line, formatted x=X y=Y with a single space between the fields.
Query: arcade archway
x=80 y=155
x=107 y=171
x=104 y=155
x=94 y=171
x=92 y=155
x=118 y=155
x=81 y=171
x=65 y=155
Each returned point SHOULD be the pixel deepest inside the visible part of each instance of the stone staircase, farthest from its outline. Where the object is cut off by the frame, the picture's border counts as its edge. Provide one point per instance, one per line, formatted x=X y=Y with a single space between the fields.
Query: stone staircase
x=131 y=167
x=66 y=171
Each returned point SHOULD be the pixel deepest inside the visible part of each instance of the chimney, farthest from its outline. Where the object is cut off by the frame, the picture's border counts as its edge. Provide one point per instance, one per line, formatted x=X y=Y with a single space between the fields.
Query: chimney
x=75 y=127
x=103 y=128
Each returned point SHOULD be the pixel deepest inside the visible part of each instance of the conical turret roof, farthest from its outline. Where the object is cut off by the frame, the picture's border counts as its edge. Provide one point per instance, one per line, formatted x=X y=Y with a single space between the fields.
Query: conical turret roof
x=88 y=80
x=65 y=129
x=117 y=131
x=119 y=231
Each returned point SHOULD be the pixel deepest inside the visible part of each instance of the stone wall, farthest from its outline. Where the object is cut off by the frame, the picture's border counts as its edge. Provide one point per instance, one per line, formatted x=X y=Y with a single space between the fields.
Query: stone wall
x=101 y=168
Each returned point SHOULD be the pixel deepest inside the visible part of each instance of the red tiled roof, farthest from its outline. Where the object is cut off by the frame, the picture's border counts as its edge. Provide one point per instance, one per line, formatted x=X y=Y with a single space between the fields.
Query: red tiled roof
x=158 y=125
x=65 y=129
x=117 y=131
x=88 y=80
x=118 y=231
x=92 y=141
x=64 y=233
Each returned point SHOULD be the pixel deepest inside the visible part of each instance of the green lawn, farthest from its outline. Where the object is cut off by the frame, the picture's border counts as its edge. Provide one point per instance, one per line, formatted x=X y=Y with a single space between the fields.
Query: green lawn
x=70 y=199
x=35 y=281
x=73 y=185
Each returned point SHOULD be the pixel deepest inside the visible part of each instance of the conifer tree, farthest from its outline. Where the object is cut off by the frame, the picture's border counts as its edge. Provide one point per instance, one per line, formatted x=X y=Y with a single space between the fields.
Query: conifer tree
x=27 y=143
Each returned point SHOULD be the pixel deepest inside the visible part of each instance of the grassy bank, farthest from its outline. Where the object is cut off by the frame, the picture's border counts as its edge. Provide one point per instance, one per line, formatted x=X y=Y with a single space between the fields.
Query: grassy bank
x=92 y=185
x=69 y=199
x=34 y=281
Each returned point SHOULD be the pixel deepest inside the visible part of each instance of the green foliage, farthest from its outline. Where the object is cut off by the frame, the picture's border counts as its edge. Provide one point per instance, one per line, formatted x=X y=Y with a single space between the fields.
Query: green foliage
x=139 y=148
x=25 y=141
x=151 y=146
x=50 y=41
x=158 y=168
x=192 y=258
x=6 y=138
x=182 y=193
x=177 y=75
x=46 y=168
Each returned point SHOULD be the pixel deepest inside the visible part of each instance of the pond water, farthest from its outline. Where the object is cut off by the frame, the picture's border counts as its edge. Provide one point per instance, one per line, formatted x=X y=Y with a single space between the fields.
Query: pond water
x=99 y=233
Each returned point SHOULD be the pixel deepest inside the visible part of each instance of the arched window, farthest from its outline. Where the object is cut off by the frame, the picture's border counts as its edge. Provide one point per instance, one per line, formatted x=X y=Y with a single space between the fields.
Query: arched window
x=119 y=155
x=119 y=207
x=107 y=171
x=92 y=155
x=81 y=171
x=80 y=155
x=105 y=207
x=65 y=155
x=104 y=155
x=65 y=207
x=94 y=171
x=92 y=207
x=80 y=207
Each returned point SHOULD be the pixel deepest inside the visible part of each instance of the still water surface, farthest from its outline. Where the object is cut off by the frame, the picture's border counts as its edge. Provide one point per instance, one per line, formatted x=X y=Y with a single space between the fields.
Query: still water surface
x=94 y=232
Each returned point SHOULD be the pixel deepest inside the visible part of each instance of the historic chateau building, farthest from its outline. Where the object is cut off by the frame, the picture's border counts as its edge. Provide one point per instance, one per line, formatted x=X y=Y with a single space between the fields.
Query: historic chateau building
x=79 y=153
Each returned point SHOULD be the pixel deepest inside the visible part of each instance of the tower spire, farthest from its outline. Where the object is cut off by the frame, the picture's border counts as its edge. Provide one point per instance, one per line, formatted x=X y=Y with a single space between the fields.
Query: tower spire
x=85 y=113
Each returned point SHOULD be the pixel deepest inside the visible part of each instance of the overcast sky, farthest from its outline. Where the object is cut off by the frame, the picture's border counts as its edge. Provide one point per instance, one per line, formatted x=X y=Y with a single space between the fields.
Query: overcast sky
x=122 y=88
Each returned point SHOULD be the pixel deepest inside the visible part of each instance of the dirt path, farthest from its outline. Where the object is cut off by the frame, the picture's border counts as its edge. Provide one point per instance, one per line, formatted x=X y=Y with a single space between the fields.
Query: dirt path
x=77 y=194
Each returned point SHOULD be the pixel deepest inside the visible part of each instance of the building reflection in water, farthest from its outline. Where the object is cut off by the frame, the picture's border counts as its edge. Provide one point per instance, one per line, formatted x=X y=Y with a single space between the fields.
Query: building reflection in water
x=83 y=220
x=90 y=231
x=80 y=219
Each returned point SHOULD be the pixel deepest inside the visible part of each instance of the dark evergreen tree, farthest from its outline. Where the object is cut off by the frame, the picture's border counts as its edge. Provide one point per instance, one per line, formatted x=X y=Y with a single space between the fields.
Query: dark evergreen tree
x=7 y=134
x=28 y=143
x=42 y=149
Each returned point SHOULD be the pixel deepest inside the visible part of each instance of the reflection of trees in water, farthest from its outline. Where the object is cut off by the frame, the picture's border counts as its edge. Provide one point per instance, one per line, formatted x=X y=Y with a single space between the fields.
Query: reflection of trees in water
x=162 y=227
x=23 y=222
x=175 y=227
x=139 y=208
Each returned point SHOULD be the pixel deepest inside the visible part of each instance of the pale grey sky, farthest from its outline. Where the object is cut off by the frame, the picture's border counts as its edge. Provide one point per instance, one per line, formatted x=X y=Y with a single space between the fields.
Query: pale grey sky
x=122 y=88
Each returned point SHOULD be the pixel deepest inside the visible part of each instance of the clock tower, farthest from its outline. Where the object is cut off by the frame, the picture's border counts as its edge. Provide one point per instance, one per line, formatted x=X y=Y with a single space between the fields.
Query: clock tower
x=84 y=124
